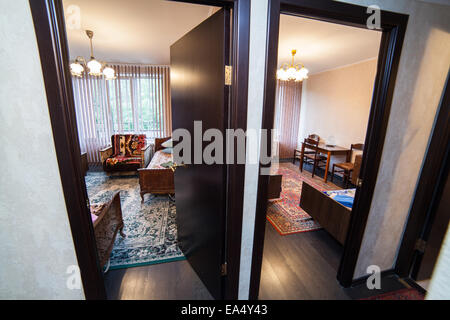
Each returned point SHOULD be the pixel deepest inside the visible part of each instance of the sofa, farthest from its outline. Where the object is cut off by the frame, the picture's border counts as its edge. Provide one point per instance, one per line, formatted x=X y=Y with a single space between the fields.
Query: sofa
x=128 y=152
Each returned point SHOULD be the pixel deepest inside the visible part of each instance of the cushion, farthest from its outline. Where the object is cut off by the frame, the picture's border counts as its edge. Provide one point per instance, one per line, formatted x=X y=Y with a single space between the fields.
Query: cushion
x=158 y=159
x=96 y=209
x=115 y=160
x=167 y=144
x=344 y=197
x=168 y=150
x=128 y=144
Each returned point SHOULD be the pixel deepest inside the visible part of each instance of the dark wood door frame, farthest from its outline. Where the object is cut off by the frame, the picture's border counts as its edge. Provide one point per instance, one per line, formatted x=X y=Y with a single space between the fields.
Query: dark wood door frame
x=48 y=18
x=393 y=26
x=429 y=188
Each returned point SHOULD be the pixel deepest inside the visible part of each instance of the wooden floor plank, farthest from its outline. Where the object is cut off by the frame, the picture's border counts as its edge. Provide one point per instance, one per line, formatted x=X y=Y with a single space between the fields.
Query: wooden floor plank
x=173 y=280
x=302 y=269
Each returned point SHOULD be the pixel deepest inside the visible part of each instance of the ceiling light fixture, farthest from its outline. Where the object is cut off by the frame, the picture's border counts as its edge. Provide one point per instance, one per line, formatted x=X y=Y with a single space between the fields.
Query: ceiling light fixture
x=94 y=67
x=296 y=72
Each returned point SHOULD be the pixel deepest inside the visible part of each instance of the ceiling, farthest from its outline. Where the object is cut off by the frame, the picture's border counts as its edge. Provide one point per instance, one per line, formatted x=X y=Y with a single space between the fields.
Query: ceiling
x=323 y=46
x=134 y=31
x=141 y=31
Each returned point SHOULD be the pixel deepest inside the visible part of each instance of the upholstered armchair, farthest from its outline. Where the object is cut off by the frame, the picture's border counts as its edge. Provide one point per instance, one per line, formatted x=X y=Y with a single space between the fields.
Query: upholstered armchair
x=128 y=152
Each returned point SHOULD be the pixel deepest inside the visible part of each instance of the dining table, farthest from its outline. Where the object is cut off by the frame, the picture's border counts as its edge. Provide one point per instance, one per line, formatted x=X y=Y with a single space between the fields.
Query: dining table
x=329 y=150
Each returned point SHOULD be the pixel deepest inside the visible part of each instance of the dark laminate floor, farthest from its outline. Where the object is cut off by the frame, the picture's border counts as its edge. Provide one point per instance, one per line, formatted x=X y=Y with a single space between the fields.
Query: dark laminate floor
x=300 y=266
x=304 y=266
x=166 y=281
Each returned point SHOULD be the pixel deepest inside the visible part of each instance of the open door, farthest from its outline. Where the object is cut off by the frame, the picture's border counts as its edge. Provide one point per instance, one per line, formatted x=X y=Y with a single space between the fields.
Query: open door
x=199 y=93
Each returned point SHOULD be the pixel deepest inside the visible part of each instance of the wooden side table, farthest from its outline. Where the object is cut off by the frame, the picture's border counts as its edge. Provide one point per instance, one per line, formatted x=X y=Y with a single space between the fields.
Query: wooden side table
x=84 y=163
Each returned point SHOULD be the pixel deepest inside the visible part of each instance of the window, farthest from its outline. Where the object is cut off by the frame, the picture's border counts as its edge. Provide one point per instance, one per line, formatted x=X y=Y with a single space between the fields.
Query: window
x=136 y=102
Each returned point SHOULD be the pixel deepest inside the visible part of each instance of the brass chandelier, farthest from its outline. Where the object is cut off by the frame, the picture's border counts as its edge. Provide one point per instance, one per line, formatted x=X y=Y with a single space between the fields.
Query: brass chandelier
x=94 y=67
x=292 y=71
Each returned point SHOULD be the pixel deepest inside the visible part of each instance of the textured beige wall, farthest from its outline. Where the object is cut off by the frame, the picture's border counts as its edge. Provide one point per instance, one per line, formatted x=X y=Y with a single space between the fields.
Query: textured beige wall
x=422 y=72
x=337 y=103
x=36 y=246
x=258 y=21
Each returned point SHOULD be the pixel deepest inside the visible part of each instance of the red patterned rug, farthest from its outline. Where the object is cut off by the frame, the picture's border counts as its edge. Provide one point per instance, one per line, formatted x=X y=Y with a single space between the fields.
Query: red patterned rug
x=285 y=214
x=402 y=294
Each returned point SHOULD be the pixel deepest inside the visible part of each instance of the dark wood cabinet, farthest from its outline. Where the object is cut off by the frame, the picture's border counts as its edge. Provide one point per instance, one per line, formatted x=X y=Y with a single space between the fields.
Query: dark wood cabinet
x=274 y=189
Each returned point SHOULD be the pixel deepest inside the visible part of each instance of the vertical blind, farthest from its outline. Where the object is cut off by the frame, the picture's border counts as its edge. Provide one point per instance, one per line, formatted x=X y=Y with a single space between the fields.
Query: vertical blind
x=287 y=117
x=138 y=101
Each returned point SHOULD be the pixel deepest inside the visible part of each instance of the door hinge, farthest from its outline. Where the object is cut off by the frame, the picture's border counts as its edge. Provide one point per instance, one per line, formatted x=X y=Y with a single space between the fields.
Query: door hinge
x=359 y=182
x=228 y=73
x=223 y=269
x=420 y=245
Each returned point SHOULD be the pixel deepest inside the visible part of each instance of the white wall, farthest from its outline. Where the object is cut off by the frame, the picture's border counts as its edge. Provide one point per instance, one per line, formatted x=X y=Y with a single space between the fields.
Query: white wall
x=258 y=22
x=336 y=104
x=36 y=245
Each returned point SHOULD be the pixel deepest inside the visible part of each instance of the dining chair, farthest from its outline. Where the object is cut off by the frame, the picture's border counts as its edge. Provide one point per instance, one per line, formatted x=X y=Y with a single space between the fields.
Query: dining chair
x=298 y=152
x=346 y=168
x=312 y=156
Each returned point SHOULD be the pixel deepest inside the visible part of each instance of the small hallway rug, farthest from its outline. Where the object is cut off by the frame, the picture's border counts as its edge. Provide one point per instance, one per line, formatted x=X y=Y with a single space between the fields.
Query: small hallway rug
x=150 y=227
x=285 y=214
x=402 y=294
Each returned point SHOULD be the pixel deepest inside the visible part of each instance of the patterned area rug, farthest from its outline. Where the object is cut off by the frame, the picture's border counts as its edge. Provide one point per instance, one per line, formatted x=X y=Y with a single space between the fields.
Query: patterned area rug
x=150 y=227
x=402 y=294
x=285 y=214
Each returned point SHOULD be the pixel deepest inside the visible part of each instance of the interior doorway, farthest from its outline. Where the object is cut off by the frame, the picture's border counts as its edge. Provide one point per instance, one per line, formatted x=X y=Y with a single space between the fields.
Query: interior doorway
x=52 y=39
x=393 y=27
x=328 y=111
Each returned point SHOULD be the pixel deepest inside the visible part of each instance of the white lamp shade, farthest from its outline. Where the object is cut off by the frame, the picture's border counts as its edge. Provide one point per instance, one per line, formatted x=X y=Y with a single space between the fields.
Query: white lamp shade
x=109 y=73
x=95 y=67
x=304 y=72
x=298 y=77
x=281 y=74
x=76 y=69
x=291 y=73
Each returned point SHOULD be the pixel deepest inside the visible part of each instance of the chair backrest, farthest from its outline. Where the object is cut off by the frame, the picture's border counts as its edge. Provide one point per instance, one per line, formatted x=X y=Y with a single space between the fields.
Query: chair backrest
x=357 y=146
x=314 y=137
x=356 y=169
x=127 y=145
x=311 y=144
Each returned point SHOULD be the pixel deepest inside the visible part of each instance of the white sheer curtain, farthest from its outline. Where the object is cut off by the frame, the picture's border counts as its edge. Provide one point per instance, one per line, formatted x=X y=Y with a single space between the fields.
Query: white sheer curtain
x=93 y=115
x=138 y=101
